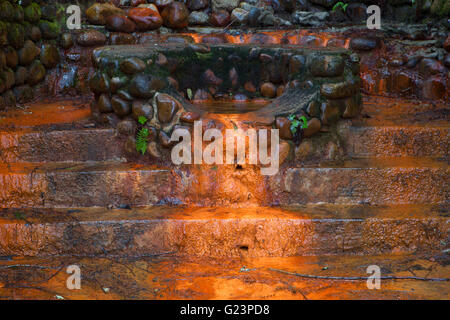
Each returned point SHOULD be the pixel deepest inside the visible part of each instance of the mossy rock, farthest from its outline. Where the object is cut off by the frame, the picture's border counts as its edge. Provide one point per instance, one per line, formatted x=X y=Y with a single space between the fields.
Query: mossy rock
x=55 y=12
x=9 y=98
x=19 y=14
x=440 y=8
x=7 y=76
x=99 y=83
x=2 y=59
x=28 y=53
x=16 y=35
x=27 y=27
x=6 y=11
x=32 y=13
x=405 y=13
x=446 y=9
x=49 y=55
x=50 y=30
x=36 y=73
x=49 y=12
x=11 y=56
x=3 y=34
x=23 y=93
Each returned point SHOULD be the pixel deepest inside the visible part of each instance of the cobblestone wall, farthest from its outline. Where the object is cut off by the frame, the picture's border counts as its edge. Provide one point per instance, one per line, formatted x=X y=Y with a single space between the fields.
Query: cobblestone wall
x=28 y=48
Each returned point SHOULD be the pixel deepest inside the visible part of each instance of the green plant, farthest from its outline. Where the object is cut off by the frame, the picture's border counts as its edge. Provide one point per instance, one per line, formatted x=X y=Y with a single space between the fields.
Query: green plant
x=297 y=122
x=142 y=136
x=189 y=93
x=142 y=120
x=340 y=4
x=18 y=215
x=142 y=140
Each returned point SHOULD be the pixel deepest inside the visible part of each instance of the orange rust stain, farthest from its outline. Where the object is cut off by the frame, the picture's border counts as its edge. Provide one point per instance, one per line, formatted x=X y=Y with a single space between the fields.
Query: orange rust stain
x=275 y=37
x=197 y=37
x=234 y=38
x=186 y=278
x=393 y=111
x=38 y=114
x=347 y=43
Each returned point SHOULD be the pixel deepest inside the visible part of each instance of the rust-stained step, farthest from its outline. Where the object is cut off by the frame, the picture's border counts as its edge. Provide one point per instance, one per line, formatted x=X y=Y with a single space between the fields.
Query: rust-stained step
x=94 y=144
x=55 y=131
x=84 y=184
x=399 y=127
x=374 y=185
x=174 y=277
x=103 y=184
x=226 y=232
x=61 y=131
x=384 y=111
x=46 y=114
x=98 y=144
x=397 y=141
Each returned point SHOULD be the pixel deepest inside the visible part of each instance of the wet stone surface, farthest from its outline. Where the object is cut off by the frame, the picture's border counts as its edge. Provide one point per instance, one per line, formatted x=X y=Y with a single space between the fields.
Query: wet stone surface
x=171 y=277
x=161 y=83
x=385 y=157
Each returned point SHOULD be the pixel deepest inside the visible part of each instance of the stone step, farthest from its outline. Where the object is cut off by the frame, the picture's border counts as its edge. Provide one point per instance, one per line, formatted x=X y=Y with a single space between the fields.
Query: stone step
x=61 y=131
x=397 y=141
x=384 y=111
x=399 y=127
x=47 y=114
x=72 y=145
x=55 y=131
x=104 y=184
x=103 y=144
x=374 y=181
x=225 y=232
x=173 y=277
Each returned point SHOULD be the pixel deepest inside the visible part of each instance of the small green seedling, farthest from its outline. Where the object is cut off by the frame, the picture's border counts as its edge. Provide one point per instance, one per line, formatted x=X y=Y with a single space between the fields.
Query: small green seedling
x=342 y=5
x=142 y=140
x=189 y=93
x=142 y=136
x=297 y=122
x=142 y=120
x=18 y=215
